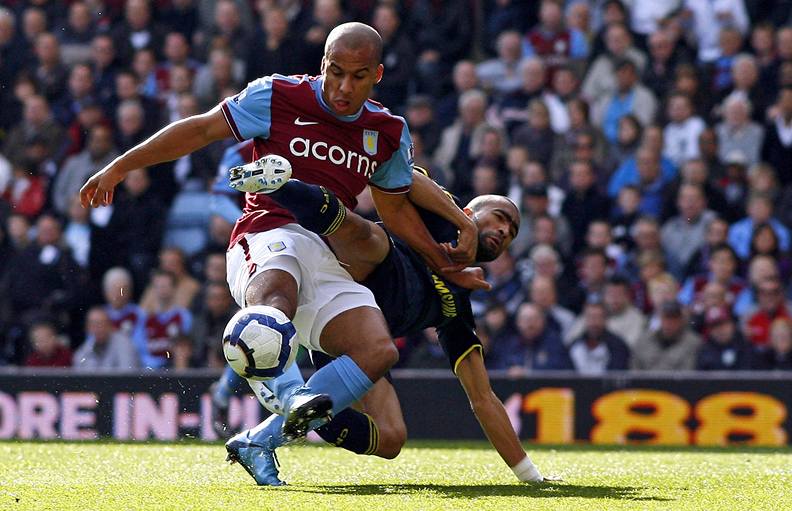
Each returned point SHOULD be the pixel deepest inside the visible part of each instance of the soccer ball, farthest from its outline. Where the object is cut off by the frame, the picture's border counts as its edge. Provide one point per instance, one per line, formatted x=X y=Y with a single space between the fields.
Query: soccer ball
x=259 y=342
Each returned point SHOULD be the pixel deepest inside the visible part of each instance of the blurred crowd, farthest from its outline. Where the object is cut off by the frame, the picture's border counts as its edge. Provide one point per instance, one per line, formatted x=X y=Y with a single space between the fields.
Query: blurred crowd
x=647 y=143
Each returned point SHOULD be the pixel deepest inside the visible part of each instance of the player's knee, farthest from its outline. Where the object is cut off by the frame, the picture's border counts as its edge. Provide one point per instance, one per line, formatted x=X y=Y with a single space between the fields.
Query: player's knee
x=391 y=441
x=275 y=288
x=376 y=357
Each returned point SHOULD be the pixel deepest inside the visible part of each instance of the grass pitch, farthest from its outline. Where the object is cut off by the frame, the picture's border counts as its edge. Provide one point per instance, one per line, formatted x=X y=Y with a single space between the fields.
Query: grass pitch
x=426 y=476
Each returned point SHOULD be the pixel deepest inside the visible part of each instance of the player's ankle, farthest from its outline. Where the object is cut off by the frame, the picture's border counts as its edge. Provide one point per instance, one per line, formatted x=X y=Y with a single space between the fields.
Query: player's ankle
x=526 y=471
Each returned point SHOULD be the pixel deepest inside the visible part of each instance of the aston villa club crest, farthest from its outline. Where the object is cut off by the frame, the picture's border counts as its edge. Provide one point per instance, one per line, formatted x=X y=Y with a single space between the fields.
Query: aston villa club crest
x=370 y=141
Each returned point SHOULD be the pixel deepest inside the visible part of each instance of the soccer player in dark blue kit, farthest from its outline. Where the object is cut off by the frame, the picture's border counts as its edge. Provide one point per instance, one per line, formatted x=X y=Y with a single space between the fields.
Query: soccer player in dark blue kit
x=412 y=298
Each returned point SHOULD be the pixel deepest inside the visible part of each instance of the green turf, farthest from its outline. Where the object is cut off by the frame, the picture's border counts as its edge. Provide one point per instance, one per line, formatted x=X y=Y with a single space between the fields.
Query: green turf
x=426 y=476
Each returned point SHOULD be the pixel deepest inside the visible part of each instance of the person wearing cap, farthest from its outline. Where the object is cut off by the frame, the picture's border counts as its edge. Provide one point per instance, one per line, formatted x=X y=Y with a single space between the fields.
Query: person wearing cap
x=725 y=349
x=672 y=347
x=760 y=211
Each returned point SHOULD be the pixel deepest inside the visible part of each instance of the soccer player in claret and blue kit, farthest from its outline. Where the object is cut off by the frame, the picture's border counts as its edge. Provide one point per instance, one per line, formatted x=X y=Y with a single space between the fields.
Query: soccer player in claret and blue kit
x=412 y=297
x=336 y=137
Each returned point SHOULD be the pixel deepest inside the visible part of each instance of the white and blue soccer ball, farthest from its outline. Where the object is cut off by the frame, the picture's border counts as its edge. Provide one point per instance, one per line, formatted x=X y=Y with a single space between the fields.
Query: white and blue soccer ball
x=259 y=342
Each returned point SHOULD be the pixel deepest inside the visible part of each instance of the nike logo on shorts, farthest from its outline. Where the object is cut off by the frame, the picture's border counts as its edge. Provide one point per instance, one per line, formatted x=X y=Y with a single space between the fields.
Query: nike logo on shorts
x=298 y=122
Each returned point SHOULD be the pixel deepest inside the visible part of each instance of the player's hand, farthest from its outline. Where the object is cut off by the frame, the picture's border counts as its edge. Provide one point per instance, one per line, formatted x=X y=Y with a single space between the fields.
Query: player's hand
x=98 y=191
x=465 y=250
x=469 y=278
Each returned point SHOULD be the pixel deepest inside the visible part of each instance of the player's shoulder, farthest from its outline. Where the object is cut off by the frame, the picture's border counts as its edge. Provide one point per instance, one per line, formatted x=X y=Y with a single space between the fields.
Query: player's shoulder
x=278 y=81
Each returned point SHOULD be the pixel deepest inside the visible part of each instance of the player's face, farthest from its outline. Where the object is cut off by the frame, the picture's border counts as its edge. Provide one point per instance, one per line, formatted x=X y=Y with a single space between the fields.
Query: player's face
x=497 y=225
x=349 y=77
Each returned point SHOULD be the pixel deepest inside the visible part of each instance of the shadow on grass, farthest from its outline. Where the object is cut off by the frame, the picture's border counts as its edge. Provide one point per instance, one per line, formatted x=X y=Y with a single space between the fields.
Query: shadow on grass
x=552 y=490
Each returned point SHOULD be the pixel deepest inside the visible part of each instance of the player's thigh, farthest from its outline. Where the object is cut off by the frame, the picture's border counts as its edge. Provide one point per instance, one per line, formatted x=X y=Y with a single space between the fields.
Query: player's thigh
x=360 y=245
x=362 y=334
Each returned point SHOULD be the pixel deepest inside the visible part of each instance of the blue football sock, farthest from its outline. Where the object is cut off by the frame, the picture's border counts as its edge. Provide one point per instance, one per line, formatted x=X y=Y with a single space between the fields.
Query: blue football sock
x=315 y=207
x=341 y=379
x=286 y=384
x=228 y=384
x=269 y=432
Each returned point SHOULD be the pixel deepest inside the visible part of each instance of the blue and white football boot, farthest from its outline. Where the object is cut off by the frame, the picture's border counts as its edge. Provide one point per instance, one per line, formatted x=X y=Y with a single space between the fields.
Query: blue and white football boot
x=264 y=175
x=256 y=456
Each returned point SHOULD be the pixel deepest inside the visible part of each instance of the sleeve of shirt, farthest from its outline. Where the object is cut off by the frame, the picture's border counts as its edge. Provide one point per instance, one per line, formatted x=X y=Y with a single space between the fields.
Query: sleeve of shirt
x=395 y=175
x=578 y=46
x=248 y=113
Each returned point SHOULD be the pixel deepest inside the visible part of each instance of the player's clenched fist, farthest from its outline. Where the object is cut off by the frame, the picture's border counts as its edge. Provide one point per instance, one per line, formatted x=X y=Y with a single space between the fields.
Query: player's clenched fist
x=98 y=190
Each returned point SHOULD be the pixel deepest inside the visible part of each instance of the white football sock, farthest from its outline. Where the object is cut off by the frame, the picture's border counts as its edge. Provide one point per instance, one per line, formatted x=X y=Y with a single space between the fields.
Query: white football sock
x=526 y=471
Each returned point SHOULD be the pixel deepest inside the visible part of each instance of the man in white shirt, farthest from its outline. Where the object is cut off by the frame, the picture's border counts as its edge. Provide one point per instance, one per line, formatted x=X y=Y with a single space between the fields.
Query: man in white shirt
x=682 y=133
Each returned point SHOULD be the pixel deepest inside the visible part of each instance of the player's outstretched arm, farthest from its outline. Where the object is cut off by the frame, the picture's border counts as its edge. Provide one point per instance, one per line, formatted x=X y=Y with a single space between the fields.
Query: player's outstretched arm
x=401 y=218
x=492 y=416
x=427 y=194
x=169 y=143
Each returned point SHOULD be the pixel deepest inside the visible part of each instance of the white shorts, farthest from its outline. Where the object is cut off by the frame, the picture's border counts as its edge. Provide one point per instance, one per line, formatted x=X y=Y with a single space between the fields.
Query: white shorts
x=325 y=288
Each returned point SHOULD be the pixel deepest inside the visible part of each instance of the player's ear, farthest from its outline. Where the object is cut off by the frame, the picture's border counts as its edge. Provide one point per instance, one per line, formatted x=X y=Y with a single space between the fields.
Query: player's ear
x=323 y=68
x=380 y=70
x=468 y=212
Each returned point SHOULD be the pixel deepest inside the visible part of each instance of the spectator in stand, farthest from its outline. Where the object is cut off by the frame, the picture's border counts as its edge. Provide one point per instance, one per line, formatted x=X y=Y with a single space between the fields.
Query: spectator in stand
x=460 y=143
x=683 y=235
x=777 y=146
x=763 y=48
x=398 y=57
x=551 y=40
x=512 y=110
x=442 y=36
x=543 y=294
x=778 y=355
x=137 y=30
x=717 y=234
x=771 y=305
x=672 y=347
x=737 y=132
x=464 y=79
x=584 y=203
x=592 y=276
x=600 y=80
x=628 y=139
x=723 y=264
x=725 y=349
x=682 y=133
x=709 y=18
x=502 y=75
x=420 y=116
x=535 y=348
x=760 y=269
x=494 y=327
x=273 y=47
x=695 y=172
x=47 y=349
x=226 y=32
x=208 y=325
x=598 y=349
x=125 y=315
x=104 y=347
x=132 y=235
x=37 y=123
x=760 y=211
x=78 y=168
x=506 y=284
x=163 y=323
x=664 y=57
x=128 y=90
x=104 y=67
x=537 y=134
x=629 y=96
x=562 y=94
x=80 y=88
x=173 y=261
x=48 y=70
x=216 y=78
x=745 y=74
x=44 y=276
